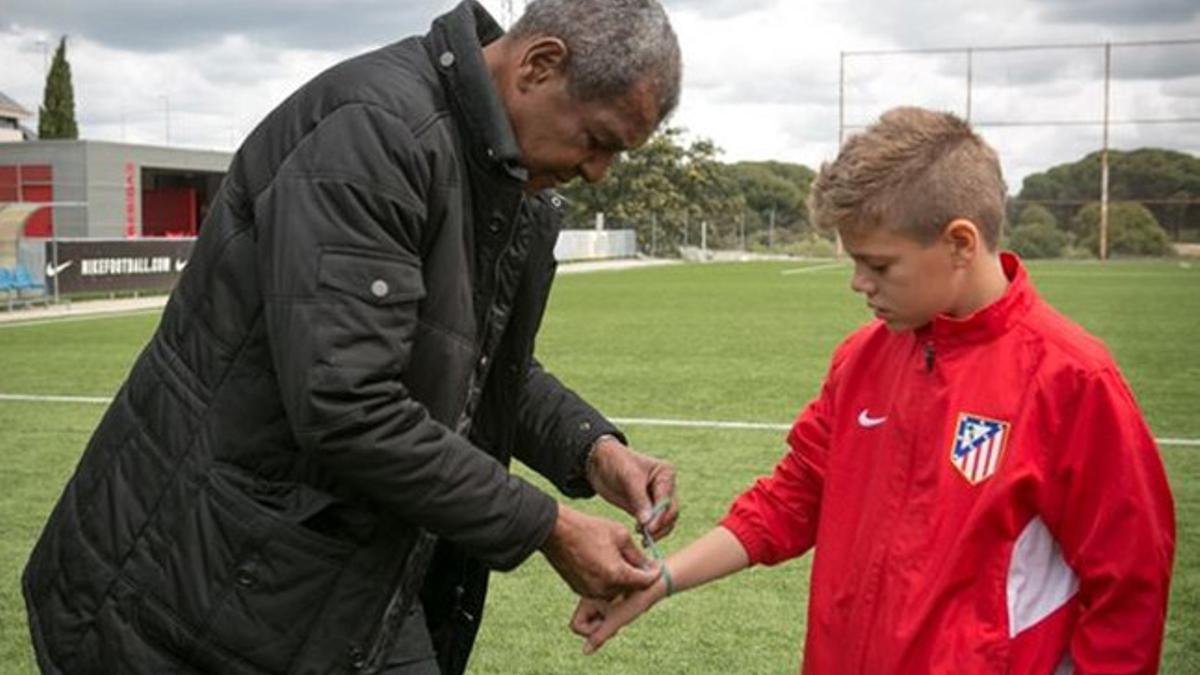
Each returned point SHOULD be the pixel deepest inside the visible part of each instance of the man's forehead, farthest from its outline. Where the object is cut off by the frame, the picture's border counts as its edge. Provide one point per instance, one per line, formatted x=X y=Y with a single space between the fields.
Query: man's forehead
x=631 y=118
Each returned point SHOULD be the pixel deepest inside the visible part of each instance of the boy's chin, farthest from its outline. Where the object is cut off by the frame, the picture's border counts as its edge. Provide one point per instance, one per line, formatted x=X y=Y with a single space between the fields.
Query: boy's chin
x=898 y=325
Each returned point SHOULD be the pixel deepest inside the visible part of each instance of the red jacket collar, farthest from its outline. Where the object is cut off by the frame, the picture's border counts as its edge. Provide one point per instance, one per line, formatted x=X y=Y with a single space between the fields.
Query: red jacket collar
x=994 y=319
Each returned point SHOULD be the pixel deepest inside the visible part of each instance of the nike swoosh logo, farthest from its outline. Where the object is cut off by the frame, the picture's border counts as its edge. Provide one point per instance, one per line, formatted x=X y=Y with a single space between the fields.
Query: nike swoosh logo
x=180 y=264
x=866 y=421
x=52 y=271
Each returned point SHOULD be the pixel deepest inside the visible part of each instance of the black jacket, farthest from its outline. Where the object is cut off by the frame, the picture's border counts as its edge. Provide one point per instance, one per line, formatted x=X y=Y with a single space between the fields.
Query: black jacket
x=329 y=404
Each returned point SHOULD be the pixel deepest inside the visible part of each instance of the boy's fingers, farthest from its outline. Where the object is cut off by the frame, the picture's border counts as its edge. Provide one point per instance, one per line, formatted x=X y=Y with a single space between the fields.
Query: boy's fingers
x=598 y=638
x=589 y=614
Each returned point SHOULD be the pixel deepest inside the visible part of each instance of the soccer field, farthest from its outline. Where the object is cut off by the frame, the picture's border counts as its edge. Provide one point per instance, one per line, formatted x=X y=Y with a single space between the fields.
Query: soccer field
x=723 y=343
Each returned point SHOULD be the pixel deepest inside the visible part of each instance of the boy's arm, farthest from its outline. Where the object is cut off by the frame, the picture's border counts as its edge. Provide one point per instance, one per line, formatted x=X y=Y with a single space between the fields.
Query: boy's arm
x=776 y=519
x=1110 y=507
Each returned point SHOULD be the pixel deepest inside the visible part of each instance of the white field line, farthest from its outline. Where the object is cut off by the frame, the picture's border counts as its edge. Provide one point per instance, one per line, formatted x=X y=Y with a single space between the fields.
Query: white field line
x=631 y=421
x=814 y=268
x=35 y=398
x=86 y=317
x=701 y=424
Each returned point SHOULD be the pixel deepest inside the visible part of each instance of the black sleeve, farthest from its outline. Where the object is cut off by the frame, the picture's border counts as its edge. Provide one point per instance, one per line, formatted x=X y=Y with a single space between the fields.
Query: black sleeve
x=338 y=254
x=555 y=430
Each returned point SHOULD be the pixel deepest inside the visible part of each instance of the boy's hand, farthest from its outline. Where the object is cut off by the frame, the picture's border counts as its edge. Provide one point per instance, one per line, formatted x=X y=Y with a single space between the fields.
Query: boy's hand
x=634 y=483
x=599 y=620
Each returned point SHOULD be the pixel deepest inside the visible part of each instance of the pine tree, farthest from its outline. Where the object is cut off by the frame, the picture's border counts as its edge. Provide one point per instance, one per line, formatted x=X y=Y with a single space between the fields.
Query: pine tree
x=57 y=114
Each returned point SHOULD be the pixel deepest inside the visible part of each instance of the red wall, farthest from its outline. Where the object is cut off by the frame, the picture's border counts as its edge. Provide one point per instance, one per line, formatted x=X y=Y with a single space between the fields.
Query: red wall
x=169 y=212
x=30 y=183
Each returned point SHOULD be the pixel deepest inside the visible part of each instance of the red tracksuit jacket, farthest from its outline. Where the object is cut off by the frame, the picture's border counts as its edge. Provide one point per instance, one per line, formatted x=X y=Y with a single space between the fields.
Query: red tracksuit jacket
x=984 y=497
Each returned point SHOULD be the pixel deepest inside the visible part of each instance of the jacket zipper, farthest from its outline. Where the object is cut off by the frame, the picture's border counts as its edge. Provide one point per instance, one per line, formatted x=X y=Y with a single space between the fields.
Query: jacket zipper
x=929 y=353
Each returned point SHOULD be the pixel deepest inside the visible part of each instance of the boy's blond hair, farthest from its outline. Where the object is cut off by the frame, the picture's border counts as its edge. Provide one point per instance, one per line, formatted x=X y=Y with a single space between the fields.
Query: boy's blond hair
x=914 y=170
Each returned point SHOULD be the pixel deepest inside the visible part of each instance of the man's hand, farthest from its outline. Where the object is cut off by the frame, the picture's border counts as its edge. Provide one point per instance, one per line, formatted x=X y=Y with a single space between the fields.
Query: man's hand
x=595 y=556
x=634 y=483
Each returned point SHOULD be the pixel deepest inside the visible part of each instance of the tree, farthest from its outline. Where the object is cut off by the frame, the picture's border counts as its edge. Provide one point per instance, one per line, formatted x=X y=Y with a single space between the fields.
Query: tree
x=1168 y=181
x=667 y=185
x=56 y=118
x=1036 y=213
x=1132 y=230
x=774 y=189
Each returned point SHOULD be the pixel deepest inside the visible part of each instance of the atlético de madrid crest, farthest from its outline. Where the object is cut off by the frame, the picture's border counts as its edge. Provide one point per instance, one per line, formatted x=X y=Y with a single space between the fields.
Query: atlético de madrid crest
x=978 y=445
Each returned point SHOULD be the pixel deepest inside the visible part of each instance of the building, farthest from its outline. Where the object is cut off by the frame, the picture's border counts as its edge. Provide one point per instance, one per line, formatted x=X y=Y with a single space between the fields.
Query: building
x=104 y=190
x=11 y=114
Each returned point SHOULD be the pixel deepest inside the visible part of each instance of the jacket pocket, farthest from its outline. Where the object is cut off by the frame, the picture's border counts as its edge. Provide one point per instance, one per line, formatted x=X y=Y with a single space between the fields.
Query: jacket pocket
x=276 y=590
x=376 y=278
x=243 y=574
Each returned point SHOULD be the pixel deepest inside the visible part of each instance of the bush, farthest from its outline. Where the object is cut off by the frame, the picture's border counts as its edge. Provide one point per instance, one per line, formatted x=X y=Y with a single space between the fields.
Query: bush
x=1073 y=252
x=1132 y=230
x=1036 y=213
x=1037 y=239
x=812 y=246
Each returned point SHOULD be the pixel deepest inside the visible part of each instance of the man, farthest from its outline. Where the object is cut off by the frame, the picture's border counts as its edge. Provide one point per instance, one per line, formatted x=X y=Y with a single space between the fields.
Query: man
x=305 y=471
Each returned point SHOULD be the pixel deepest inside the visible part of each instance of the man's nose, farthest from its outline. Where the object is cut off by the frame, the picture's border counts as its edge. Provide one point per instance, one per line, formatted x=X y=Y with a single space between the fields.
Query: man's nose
x=594 y=169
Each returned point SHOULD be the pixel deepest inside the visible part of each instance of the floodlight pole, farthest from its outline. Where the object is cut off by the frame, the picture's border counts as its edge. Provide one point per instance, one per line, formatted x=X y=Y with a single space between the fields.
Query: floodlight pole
x=1104 y=155
x=970 y=77
x=771 y=231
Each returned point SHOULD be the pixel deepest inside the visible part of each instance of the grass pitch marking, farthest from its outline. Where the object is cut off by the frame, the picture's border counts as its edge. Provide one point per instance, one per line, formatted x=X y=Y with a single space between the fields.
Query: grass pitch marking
x=814 y=268
x=631 y=421
x=17 y=323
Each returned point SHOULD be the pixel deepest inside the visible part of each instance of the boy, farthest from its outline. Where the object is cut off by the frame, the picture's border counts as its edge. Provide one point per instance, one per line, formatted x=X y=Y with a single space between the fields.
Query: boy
x=981 y=490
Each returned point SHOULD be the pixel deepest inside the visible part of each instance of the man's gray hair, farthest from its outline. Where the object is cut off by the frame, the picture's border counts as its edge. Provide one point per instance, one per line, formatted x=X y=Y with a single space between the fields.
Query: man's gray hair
x=612 y=45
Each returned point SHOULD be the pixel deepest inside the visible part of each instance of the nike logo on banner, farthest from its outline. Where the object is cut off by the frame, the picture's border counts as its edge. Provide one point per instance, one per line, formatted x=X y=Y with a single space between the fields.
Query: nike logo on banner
x=865 y=420
x=52 y=271
x=180 y=264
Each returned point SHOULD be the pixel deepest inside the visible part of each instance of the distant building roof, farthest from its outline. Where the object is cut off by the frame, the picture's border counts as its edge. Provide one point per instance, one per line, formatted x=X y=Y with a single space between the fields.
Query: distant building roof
x=10 y=108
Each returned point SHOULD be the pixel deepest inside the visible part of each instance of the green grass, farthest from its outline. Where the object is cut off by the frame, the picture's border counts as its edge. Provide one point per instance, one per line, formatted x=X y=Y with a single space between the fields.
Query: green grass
x=718 y=342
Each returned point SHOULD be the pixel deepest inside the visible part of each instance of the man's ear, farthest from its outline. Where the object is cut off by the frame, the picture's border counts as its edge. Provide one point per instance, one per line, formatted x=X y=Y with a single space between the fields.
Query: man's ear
x=964 y=239
x=542 y=59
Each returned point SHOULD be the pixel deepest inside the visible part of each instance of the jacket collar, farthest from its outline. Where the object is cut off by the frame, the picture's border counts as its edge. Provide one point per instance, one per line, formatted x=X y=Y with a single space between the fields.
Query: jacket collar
x=993 y=320
x=456 y=44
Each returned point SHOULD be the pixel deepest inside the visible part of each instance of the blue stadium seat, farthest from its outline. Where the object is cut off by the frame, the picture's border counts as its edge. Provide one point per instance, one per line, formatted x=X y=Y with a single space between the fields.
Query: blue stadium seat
x=24 y=281
x=8 y=286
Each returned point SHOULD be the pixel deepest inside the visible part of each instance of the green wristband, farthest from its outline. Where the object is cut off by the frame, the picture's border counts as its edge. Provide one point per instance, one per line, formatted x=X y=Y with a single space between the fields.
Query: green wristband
x=667 y=580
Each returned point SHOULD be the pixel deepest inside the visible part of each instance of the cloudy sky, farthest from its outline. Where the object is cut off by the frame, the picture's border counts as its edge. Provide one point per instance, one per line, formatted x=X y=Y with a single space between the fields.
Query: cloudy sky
x=761 y=76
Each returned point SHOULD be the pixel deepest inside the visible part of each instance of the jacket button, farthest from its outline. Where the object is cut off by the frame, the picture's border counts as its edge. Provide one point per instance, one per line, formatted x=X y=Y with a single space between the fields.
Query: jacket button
x=379 y=288
x=446 y=59
x=483 y=361
x=245 y=578
x=358 y=658
x=584 y=426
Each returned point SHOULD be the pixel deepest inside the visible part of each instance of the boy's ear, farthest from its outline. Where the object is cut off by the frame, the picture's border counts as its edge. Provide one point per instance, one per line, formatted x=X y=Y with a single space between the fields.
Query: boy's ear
x=964 y=240
x=541 y=59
